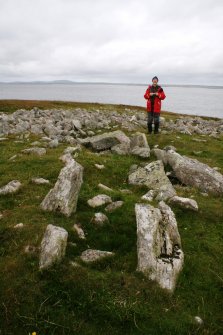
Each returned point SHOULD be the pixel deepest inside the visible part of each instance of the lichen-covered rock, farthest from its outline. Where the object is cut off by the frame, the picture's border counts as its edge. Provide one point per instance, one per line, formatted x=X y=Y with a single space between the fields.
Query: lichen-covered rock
x=63 y=196
x=53 y=246
x=91 y=255
x=40 y=181
x=160 y=256
x=12 y=187
x=153 y=176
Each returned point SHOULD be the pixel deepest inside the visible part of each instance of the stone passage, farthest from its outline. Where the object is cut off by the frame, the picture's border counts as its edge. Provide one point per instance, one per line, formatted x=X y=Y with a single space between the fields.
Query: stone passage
x=160 y=256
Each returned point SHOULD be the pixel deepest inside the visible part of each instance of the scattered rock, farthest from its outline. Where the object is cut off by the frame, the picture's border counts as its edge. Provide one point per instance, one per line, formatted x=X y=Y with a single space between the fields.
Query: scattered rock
x=40 y=181
x=64 y=195
x=153 y=176
x=30 y=249
x=53 y=144
x=71 y=150
x=99 y=166
x=184 y=202
x=99 y=200
x=77 y=228
x=149 y=195
x=12 y=187
x=19 y=225
x=198 y=320
x=160 y=256
x=53 y=246
x=105 y=188
x=113 y=206
x=91 y=255
x=99 y=219
x=105 y=141
x=1 y=215
x=35 y=151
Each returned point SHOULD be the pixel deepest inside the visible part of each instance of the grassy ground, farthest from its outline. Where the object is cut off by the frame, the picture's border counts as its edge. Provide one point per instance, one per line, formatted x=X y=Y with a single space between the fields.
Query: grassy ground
x=107 y=297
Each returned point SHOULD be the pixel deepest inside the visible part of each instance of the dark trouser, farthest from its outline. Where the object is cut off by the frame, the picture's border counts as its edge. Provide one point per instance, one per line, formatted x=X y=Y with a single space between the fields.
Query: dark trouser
x=153 y=117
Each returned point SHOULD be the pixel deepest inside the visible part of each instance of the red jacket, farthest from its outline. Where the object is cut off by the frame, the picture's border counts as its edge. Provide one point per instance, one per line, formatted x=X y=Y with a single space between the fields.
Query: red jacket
x=157 y=100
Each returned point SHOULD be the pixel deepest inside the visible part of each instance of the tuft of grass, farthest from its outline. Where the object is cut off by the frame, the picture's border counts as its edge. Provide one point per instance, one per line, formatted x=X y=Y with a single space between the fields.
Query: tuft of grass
x=106 y=297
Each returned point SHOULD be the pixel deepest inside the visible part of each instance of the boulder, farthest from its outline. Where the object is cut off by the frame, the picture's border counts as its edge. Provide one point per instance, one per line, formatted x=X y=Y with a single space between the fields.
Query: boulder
x=12 y=187
x=99 y=200
x=192 y=172
x=160 y=256
x=91 y=255
x=153 y=176
x=63 y=196
x=139 y=145
x=105 y=141
x=184 y=202
x=53 y=246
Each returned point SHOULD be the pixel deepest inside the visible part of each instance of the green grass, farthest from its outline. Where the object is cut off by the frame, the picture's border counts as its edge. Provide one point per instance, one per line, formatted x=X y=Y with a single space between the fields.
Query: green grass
x=107 y=297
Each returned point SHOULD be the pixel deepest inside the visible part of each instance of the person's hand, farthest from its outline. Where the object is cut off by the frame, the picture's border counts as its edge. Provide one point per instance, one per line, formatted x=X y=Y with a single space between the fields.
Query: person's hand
x=151 y=94
x=156 y=94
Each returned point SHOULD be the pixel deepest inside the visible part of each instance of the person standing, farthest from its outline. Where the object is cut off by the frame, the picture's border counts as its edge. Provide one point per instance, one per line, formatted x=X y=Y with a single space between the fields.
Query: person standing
x=154 y=94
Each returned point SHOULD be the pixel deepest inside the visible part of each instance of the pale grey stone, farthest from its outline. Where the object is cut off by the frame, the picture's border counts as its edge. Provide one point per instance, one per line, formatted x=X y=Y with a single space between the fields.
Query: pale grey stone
x=160 y=256
x=113 y=206
x=184 y=202
x=63 y=196
x=12 y=187
x=105 y=188
x=91 y=255
x=40 y=181
x=53 y=246
x=35 y=151
x=99 y=200
x=99 y=219
x=153 y=176
x=77 y=228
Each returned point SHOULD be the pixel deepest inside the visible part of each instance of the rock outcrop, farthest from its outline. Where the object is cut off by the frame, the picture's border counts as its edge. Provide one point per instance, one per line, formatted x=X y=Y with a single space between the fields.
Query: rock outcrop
x=63 y=196
x=53 y=246
x=160 y=256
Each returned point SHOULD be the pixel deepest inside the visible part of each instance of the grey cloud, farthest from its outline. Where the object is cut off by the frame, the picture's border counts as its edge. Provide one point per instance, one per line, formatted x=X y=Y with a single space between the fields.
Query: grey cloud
x=119 y=41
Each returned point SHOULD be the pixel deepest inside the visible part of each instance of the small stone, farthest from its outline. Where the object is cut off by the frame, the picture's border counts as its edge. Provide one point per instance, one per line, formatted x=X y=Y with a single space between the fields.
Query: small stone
x=40 y=181
x=30 y=249
x=53 y=144
x=99 y=166
x=198 y=320
x=1 y=216
x=99 y=219
x=99 y=200
x=91 y=255
x=77 y=228
x=105 y=188
x=149 y=195
x=19 y=225
x=35 y=150
x=12 y=157
x=113 y=206
x=71 y=150
x=125 y=191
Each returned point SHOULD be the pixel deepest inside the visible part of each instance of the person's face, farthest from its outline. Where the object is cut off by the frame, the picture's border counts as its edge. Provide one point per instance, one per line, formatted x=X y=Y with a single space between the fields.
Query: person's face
x=155 y=82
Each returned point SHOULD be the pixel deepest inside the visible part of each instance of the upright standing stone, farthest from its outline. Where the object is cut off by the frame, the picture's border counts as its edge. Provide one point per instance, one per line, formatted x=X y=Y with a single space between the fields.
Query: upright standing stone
x=53 y=246
x=64 y=195
x=160 y=256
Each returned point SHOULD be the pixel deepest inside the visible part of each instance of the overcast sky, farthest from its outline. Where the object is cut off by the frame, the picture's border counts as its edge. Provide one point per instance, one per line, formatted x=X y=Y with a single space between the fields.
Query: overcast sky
x=112 y=40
